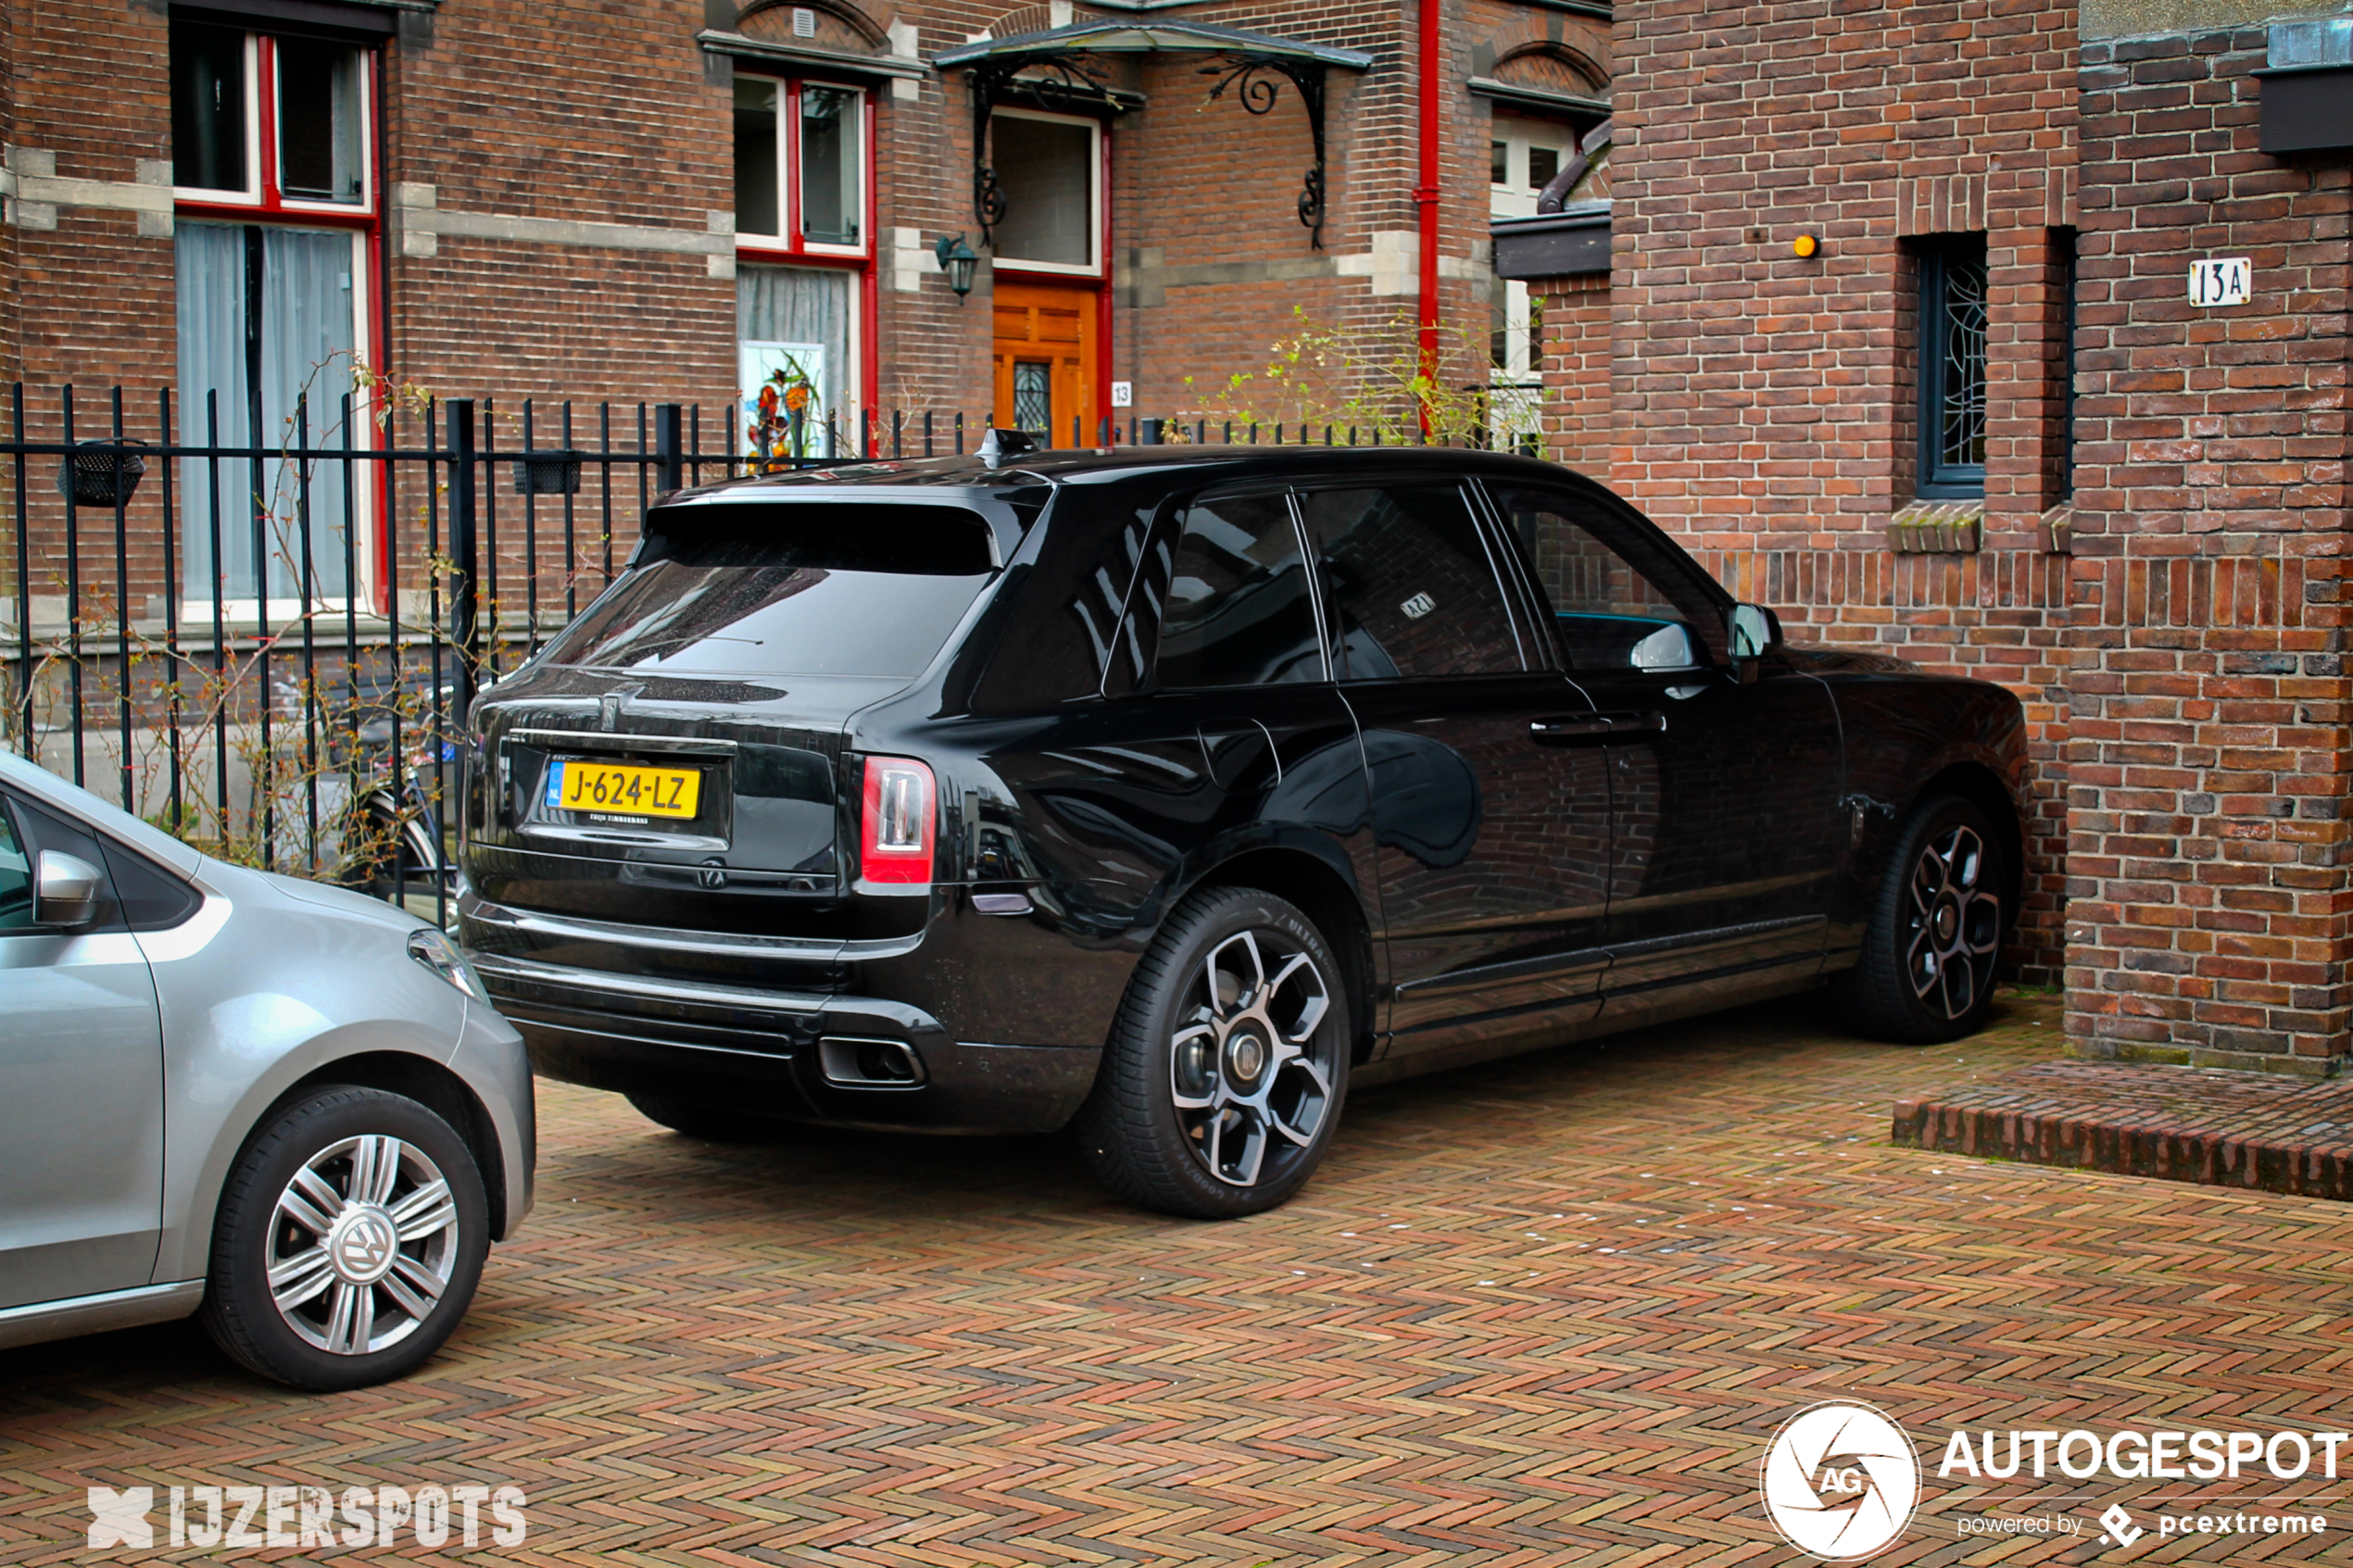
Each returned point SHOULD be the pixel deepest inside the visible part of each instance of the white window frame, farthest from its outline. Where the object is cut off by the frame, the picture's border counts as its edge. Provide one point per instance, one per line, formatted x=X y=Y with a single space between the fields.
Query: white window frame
x=1093 y=266
x=251 y=194
x=794 y=241
x=366 y=112
x=858 y=172
x=1516 y=198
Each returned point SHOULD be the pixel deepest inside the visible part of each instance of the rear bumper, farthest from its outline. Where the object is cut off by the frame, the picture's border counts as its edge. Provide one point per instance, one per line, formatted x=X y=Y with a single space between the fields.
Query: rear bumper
x=758 y=1050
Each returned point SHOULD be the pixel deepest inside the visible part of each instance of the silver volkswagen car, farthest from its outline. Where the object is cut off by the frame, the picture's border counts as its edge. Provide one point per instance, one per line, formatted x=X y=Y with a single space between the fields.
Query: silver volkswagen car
x=277 y=1104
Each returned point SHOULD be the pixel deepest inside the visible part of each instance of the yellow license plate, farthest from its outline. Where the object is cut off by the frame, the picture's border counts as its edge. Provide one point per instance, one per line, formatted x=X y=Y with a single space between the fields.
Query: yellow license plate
x=611 y=789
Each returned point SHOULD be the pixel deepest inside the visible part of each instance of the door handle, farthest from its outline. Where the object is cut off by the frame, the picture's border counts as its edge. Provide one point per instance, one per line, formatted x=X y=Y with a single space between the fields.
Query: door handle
x=1591 y=729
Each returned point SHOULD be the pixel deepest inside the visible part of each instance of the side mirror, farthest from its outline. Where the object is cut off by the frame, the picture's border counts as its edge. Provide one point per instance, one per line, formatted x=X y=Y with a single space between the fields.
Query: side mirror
x=1750 y=630
x=65 y=890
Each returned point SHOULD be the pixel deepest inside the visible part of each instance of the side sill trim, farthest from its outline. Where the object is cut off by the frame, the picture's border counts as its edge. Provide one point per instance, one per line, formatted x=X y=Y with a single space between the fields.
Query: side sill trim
x=39 y=1320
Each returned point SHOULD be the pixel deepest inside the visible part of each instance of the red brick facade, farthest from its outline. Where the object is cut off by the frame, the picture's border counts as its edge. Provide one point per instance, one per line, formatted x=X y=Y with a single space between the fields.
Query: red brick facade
x=2175 y=632
x=2207 y=758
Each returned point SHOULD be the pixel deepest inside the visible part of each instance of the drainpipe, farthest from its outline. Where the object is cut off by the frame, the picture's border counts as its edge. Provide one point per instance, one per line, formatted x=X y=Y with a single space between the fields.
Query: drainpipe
x=1425 y=194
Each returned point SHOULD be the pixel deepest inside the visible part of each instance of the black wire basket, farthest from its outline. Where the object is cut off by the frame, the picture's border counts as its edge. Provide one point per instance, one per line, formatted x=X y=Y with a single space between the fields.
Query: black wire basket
x=547 y=473
x=89 y=473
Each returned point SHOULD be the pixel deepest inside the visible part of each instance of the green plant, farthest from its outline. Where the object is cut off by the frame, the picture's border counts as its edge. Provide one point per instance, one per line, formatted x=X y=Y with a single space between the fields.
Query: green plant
x=1368 y=378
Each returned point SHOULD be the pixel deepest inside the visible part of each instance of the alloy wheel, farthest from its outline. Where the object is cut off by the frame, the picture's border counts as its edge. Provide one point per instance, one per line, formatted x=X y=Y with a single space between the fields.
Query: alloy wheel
x=362 y=1245
x=1955 y=932
x=1250 y=1080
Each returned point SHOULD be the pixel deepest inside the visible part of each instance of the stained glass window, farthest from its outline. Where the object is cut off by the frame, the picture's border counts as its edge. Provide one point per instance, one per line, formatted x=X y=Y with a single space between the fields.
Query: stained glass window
x=1953 y=369
x=1033 y=400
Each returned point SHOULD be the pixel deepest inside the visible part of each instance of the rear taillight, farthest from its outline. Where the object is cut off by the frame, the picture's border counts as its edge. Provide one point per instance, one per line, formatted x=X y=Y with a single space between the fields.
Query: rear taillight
x=895 y=834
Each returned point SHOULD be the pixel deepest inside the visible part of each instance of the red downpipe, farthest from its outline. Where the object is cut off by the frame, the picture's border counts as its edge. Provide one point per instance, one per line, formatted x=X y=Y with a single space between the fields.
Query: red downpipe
x=1426 y=194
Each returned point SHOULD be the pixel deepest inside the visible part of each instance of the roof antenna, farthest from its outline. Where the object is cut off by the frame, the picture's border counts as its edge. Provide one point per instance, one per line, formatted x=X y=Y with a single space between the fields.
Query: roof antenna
x=999 y=445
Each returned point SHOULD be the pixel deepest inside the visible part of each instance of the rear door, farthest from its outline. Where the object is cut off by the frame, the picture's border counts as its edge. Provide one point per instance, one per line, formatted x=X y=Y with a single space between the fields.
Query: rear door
x=1494 y=847
x=81 y=1084
x=1727 y=821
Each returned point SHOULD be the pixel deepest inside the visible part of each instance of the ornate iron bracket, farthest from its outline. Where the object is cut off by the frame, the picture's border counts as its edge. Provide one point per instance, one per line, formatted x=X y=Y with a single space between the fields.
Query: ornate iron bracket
x=1247 y=74
x=1073 y=83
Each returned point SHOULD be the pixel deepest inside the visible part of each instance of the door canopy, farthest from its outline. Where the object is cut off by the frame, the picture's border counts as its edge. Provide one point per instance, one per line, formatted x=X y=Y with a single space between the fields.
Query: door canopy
x=1058 y=66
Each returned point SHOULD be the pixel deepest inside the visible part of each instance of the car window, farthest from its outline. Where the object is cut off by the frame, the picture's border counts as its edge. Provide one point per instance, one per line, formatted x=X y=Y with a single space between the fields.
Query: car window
x=788 y=589
x=1238 y=611
x=1065 y=640
x=1611 y=614
x=1410 y=586
x=15 y=879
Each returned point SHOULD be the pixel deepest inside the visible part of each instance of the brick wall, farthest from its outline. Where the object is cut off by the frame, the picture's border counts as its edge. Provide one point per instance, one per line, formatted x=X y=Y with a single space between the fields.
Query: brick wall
x=1762 y=406
x=1577 y=367
x=2207 y=752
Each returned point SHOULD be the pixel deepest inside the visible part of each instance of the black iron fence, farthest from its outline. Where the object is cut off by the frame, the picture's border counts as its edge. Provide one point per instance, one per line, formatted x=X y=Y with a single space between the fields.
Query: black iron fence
x=264 y=647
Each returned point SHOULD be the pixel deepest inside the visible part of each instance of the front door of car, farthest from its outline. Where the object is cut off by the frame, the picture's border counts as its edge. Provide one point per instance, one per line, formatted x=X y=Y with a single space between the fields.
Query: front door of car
x=81 y=1083
x=1493 y=849
x=1728 y=830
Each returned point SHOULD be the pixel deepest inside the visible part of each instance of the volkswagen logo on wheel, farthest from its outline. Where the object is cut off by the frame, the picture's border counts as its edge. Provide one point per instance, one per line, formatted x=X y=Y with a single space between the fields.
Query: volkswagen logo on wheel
x=1840 y=1481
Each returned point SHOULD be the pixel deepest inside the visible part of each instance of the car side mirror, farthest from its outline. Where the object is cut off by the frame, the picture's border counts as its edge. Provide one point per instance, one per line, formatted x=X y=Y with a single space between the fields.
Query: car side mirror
x=1749 y=631
x=65 y=890
x=1669 y=648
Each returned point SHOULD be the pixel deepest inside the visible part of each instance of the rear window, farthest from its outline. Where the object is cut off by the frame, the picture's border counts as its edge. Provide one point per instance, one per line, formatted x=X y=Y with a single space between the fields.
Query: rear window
x=787 y=589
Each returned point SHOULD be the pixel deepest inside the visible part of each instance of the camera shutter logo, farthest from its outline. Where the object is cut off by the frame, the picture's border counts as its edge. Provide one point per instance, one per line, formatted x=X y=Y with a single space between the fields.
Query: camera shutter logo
x=1840 y=1481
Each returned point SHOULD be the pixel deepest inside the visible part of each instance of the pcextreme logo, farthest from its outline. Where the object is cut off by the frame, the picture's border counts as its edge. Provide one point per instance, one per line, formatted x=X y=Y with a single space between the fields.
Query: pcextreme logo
x=1840 y=1481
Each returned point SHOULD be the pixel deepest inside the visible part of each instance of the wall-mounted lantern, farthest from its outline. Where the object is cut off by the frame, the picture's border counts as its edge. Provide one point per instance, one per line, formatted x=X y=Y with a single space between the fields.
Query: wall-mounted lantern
x=956 y=259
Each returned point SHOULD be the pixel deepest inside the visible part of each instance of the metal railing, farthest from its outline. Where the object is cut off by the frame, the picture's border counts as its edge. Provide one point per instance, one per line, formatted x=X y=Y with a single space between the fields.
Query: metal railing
x=266 y=649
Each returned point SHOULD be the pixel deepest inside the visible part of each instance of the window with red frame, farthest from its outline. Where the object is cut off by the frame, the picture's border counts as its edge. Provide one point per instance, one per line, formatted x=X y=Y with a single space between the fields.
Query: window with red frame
x=269 y=121
x=799 y=165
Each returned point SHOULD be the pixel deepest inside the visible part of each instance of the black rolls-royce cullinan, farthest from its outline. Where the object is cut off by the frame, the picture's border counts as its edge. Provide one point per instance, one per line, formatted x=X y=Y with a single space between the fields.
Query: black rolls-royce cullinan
x=1164 y=793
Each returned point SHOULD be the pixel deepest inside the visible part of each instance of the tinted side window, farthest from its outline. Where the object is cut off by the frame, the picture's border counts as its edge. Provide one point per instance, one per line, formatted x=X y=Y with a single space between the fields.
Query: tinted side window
x=1613 y=613
x=15 y=879
x=153 y=899
x=1238 y=611
x=1412 y=590
x=1065 y=640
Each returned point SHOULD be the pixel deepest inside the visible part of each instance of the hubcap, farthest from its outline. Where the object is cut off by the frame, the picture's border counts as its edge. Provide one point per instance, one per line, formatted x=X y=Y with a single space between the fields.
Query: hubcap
x=1954 y=934
x=362 y=1245
x=1248 y=1073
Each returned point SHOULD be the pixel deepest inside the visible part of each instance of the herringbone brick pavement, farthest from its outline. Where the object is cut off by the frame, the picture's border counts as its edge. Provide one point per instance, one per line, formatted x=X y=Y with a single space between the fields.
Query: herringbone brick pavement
x=1546 y=1312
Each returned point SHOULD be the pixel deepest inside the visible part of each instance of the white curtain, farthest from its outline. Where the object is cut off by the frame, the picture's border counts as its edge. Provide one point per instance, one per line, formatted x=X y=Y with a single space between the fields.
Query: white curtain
x=210 y=277
x=306 y=308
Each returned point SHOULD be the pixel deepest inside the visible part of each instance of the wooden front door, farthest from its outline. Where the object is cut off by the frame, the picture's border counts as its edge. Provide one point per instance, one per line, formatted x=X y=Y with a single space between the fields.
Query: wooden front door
x=1046 y=360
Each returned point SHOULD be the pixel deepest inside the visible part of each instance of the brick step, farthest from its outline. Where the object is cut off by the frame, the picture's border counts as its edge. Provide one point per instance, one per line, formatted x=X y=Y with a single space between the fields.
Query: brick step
x=2211 y=1126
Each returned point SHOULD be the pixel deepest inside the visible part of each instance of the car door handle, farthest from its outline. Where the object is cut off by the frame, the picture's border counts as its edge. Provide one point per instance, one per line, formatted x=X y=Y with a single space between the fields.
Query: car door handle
x=1588 y=729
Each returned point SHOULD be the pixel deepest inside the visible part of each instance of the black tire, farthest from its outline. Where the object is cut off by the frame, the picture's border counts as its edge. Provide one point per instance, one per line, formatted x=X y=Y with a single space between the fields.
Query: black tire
x=1143 y=1139
x=323 y=1138
x=710 y=1122
x=1942 y=911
